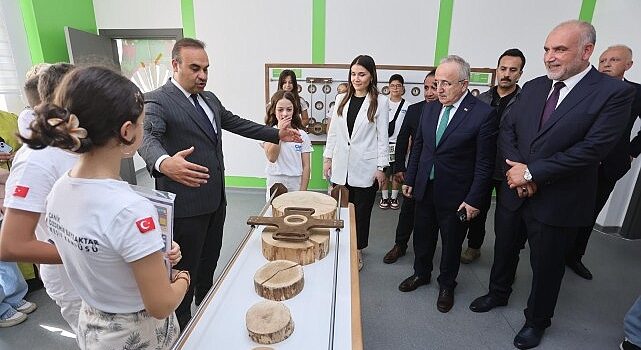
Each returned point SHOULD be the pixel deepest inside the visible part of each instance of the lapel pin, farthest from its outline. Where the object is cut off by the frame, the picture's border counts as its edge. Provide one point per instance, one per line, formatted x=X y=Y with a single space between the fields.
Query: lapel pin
x=465 y=109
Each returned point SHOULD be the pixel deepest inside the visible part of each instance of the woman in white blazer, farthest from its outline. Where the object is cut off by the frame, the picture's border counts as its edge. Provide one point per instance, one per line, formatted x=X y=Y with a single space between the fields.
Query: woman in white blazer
x=356 y=149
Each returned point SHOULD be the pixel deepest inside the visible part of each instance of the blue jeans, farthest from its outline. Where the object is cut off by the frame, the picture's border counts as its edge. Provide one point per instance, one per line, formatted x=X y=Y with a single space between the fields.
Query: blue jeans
x=632 y=323
x=13 y=287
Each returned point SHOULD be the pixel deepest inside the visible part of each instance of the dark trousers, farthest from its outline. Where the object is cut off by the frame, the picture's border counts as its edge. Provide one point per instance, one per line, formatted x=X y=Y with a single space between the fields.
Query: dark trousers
x=405 y=224
x=363 y=199
x=603 y=190
x=476 y=231
x=548 y=247
x=200 y=238
x=428 y=221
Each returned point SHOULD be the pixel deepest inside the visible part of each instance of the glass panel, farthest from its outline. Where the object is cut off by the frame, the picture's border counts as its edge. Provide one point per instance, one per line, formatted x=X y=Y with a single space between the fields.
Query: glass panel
x=147 y=62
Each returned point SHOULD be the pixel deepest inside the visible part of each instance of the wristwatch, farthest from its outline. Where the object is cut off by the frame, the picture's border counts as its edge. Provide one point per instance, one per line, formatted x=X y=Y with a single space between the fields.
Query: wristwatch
x=527 y=175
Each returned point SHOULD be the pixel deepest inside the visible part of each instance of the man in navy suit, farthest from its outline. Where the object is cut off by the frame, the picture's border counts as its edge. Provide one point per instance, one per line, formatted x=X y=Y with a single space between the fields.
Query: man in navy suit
x=553 y=140
x=449 y=172
x=614 y=61
x=405 y=137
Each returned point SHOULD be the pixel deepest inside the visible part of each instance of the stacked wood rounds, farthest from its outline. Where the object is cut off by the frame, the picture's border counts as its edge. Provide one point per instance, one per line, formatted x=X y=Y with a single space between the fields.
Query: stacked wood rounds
x=269 y=322
x=279 y=280
x=306 y=252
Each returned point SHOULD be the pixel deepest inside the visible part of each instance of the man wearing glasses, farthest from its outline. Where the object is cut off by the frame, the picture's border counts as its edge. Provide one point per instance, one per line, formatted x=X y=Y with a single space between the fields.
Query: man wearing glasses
x=449 y=172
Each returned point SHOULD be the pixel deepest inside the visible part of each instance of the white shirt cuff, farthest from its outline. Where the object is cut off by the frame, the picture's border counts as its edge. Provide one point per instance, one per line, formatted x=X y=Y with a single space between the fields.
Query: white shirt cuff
x=160 y=159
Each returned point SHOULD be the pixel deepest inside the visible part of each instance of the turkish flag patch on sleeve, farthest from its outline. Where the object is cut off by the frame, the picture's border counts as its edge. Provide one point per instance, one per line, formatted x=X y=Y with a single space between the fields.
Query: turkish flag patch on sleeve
x=145 y=225
x=21 y=191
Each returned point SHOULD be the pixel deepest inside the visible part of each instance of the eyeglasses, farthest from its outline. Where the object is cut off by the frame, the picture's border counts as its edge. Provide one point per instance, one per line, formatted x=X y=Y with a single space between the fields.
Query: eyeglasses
x=395 y=86
x=446 y=84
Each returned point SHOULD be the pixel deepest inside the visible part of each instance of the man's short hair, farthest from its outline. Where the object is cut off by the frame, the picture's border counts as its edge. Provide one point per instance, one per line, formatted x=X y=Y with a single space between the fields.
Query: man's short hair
x=513 y=53
x=625 y=48
x=49 y=79
x=464 y=67
x=185 y=42
x=588 y=33
x=430 y=74
x=31 y=91
x=396 y=77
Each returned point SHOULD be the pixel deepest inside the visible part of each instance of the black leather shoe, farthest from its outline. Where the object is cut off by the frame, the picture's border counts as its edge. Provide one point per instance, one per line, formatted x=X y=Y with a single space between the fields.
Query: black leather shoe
x=393 y=255
x=486 y=303
x=580 y=269
x=528 y=337
x=413 y=282
x=445 y=300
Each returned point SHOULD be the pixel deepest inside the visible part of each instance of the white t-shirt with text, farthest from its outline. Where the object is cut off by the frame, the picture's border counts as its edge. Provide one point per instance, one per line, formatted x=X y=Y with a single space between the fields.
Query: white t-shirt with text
x=289 y=161
x=100 y=226
x=393 y=106
x=32 y=176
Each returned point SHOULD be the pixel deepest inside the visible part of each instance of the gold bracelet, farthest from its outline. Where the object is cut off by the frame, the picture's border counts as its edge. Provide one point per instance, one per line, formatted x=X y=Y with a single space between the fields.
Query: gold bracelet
x=182 y=278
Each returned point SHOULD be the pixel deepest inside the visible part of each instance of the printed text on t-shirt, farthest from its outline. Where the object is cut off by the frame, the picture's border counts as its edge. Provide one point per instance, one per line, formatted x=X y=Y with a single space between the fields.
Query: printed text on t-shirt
x=58 y=230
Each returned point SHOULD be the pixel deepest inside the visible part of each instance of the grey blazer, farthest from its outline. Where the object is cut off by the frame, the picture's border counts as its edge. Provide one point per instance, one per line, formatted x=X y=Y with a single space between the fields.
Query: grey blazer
x=172 y=124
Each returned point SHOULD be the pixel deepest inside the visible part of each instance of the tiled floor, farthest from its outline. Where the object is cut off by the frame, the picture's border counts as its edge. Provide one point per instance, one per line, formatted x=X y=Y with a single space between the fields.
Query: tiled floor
x=588 y=316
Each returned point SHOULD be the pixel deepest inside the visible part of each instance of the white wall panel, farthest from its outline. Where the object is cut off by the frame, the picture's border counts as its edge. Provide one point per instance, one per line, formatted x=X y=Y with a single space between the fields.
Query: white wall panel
x=242 y=36
x=483 y=30
x=138 y=14
x=399 y=32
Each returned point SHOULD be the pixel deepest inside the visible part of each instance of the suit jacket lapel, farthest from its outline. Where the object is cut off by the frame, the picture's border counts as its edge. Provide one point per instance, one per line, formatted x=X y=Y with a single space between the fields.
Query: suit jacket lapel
x=429 y=117
x=458 y=117
x=579 y=92
x=183 y=102
x=361 y=118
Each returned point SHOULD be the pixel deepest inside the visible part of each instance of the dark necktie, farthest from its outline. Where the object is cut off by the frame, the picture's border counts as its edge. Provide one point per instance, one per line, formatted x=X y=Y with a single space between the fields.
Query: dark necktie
x=550 y=104
x=204 y=117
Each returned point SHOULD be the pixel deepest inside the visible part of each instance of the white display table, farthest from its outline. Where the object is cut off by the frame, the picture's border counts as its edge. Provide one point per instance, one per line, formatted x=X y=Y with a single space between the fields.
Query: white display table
x=219 y=322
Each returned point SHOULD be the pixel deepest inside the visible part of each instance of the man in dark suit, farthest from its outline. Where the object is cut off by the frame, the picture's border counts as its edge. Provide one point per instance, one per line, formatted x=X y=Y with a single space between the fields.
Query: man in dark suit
x=449 y=172
x=558 y=131
x=184 y=120
x=614 y=61
x=406 y=135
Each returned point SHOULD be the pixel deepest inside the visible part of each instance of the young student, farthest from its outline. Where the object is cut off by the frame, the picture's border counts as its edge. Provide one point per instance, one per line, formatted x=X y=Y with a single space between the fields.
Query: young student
x=287 y=162
x=397 y=110
x=287 y=81
x=33 y=98
x=108 y=237
x=356 y=151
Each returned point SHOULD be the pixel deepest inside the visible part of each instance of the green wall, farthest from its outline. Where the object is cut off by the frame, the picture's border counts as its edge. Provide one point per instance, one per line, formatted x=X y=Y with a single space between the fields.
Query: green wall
x=45 y=21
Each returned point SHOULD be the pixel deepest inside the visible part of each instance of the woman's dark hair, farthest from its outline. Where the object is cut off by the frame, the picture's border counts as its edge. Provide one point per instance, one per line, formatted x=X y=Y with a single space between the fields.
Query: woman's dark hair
x=281 y=80
x=101 y=100
x=366 y=62
x=270 y=118
x=49 y=80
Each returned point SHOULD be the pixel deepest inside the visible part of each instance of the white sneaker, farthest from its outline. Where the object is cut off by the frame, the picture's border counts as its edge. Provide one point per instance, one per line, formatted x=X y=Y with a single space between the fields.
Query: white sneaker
x=26 y=307
x=12 y=318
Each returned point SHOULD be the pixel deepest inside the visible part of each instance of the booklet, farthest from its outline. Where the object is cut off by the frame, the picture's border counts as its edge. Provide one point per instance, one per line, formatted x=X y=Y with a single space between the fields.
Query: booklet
x=164 y=203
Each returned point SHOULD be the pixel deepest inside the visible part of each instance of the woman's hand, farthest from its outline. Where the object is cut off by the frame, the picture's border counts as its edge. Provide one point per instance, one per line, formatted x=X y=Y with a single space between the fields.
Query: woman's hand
x=327 y=168
x=174 y=255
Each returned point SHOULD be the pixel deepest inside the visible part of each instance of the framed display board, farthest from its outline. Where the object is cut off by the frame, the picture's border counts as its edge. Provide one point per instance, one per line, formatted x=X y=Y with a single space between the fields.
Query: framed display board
x=318 y=83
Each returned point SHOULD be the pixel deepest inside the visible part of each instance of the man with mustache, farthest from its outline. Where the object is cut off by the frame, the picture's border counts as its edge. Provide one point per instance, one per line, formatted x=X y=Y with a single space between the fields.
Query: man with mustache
x=556 y=135
x=501 y=96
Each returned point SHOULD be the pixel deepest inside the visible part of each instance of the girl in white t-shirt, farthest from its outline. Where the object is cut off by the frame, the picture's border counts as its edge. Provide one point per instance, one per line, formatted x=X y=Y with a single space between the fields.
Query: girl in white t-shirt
x=108 y=236
x=287 y=162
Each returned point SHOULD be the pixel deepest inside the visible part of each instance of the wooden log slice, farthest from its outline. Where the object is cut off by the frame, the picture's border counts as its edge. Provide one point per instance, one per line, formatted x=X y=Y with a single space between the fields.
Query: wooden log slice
x=279 y=280
x=324 y=205
x=304 y=253
x=269 y=322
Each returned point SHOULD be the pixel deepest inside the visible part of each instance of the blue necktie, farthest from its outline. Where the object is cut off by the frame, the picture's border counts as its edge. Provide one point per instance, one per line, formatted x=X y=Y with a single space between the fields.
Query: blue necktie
x=440 y=130
x=203 y=115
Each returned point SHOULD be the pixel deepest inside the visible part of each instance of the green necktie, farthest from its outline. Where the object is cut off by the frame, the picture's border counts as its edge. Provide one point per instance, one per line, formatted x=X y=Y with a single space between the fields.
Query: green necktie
x=440 y=130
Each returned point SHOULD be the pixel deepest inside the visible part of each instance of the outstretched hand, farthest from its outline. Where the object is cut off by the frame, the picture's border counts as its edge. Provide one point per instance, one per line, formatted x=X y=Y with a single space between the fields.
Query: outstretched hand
x=180 y=170
x=289 y=135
